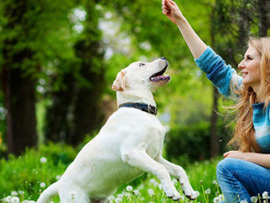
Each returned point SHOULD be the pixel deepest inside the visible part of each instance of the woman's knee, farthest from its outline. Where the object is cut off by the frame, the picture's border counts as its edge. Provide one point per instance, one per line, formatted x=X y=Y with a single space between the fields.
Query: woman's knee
x=227 y=166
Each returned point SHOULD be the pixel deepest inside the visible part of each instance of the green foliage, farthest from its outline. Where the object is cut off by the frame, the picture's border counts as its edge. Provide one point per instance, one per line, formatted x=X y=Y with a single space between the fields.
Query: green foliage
x=27 y=172
x=192 y=142
x=26 y=176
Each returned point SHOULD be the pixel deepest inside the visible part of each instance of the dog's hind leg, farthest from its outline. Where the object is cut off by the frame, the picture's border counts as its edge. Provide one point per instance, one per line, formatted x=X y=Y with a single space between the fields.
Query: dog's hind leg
x=179 y=173
x=48 y=194
x=141 y=160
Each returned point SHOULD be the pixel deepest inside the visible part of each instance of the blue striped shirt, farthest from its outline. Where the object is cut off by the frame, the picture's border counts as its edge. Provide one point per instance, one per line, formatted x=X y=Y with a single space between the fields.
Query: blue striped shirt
x=225 y=78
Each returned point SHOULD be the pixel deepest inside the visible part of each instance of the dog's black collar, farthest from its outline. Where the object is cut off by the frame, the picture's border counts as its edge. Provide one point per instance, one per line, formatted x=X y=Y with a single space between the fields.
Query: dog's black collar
x=144 y=107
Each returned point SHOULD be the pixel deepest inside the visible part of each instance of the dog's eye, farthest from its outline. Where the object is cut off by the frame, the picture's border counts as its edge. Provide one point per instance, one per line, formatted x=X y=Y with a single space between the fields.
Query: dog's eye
x=141 y=64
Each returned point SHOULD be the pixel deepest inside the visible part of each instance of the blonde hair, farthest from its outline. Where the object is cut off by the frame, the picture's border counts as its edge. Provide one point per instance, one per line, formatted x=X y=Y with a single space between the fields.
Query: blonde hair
x=244 y=134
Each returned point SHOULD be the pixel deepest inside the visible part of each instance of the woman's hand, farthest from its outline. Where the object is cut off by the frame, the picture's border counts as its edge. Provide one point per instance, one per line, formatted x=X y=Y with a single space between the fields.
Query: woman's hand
x=171 y=10
x=235 y=154
x=257 y=158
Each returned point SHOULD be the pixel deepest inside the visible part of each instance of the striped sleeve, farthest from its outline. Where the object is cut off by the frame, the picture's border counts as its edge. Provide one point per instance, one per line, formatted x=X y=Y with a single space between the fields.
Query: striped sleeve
x=223 y=76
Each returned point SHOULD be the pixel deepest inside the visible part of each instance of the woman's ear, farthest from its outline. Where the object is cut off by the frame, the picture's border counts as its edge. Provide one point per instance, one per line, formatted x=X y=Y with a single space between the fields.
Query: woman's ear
x=119 y=83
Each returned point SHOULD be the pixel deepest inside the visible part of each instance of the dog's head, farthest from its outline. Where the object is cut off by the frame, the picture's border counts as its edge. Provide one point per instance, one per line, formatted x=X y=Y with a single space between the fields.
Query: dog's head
x=141 y=75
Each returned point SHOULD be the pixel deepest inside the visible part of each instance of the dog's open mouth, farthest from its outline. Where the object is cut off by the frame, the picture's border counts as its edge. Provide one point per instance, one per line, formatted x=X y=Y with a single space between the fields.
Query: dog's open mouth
x=159 y=76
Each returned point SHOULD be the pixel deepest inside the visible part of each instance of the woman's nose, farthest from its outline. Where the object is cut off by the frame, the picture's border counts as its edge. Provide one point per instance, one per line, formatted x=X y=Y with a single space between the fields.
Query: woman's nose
x=241 y=65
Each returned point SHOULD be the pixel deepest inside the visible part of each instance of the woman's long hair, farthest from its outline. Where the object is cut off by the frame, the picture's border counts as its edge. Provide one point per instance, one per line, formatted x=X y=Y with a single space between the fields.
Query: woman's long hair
x=244 y=134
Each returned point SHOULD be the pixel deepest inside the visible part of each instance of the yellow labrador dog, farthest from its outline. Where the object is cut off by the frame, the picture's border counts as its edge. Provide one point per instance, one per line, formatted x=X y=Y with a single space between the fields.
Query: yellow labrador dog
x=129 y=144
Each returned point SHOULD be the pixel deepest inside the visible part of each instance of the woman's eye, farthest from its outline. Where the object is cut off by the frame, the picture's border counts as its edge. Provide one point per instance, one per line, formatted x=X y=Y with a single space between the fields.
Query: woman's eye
x=249 y=58
x=141 y=64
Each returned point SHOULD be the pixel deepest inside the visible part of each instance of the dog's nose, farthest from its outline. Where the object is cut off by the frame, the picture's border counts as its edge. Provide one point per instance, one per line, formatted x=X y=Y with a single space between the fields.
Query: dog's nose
x=163 y=58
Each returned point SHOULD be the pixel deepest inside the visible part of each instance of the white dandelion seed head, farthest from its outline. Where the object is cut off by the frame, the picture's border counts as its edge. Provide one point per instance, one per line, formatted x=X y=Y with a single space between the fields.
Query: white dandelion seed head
x=118 y=199
x=197 y=193
x=7 y=199
x=265 y=195
x=42 y=185
x=207 y=191
x=21 y=192
x=129 y=188
x=58 y=177
x=216 y=200
x=14 y=193
x=221 y=198
x=25 y=201
x=253 y=199
x=244 y=201
x=153 y=181
x=43 y=160
x=15 y=200
x=215 y=182
x=151 y=192
x=160 y=186
x=120 y=195
x=136 y=192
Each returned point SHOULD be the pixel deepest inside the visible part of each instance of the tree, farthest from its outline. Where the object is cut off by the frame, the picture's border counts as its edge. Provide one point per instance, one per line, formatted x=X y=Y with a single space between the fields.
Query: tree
x=18 y=79
x=82 y=86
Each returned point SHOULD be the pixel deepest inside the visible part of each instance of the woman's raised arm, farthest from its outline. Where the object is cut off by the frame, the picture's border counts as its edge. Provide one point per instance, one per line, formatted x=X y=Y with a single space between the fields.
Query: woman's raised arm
x=194 y=42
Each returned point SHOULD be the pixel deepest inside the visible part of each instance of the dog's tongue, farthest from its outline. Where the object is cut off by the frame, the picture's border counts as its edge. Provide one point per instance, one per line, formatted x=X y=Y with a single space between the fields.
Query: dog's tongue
x=160 y=77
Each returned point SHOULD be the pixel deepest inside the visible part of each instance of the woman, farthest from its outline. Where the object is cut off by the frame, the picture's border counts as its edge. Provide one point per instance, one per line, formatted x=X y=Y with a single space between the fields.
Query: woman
x=246 y=172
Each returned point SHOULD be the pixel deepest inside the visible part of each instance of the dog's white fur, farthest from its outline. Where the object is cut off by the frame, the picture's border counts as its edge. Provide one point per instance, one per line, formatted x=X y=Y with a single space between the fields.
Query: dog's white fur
x=129 y=144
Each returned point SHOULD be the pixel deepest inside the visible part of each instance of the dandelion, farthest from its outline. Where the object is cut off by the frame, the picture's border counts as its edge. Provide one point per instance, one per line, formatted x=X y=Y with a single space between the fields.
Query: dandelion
x=207 y=191
x=265 y=195
x=136 y=192
x=42 y=185
x=7 y=199
x=14 y=193
x=221 y=198
x=118 y=199
x=58 y=177
x=129 y=188
x=21 y=192
x=253 y=199
x=151 y=192
x=120 y=196
x=160 y=187
x=244 y=201
x=154 y=182
x=15 y=200
x=43 y=160
x=215 y=182
x=216 y=200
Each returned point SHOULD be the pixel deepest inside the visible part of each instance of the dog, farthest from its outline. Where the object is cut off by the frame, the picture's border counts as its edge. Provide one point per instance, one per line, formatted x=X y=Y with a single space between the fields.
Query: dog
x=128 y=145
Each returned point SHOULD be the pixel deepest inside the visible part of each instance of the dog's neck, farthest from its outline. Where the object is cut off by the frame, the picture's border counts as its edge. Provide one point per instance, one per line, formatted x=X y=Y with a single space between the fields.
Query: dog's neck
x=135 y=97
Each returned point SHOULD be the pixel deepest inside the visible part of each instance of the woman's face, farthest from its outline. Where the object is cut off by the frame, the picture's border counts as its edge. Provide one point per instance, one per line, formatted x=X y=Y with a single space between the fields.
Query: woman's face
x=250 y=68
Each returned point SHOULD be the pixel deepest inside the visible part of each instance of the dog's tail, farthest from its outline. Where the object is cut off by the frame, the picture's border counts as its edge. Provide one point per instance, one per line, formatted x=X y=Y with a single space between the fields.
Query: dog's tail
x=48 y=194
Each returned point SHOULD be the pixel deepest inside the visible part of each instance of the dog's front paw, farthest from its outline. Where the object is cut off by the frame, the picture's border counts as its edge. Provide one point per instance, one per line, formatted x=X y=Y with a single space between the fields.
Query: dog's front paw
x=174 y=195
x=192 y=195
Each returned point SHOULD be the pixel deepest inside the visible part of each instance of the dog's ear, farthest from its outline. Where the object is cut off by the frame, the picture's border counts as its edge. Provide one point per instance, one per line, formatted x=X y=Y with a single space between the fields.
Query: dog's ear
x=119 y=83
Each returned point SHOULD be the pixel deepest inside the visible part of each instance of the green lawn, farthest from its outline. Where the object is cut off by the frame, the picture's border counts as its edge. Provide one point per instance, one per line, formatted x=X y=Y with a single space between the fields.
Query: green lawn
x=23 y=178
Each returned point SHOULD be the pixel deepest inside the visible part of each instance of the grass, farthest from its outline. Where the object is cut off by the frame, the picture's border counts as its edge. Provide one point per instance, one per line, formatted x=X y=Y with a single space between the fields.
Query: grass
x=23 y=178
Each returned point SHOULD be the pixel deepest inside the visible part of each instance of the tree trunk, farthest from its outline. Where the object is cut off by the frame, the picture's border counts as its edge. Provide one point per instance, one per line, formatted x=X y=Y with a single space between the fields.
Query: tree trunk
x=88 y=114
x=18 y=85
x=214 y=142
x=264 y=17
x=59 y=115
